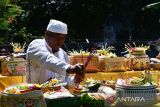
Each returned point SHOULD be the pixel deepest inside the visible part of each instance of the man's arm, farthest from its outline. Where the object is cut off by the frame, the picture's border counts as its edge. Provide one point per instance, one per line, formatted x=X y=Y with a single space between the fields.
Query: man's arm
x=38 y=53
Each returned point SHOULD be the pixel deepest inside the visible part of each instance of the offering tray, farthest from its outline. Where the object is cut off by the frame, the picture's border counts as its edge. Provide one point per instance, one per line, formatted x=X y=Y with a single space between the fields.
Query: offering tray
x=136 y=86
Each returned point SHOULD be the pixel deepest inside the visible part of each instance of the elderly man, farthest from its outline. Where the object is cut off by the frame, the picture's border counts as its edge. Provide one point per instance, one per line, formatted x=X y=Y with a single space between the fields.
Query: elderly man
x=46 y=59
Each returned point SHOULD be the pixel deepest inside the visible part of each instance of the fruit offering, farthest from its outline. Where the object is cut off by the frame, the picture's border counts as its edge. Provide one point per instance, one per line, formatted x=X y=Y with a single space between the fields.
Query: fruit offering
x=21 y=88
x=109 y=83
x=137 y=81
x=50 y=83
x=17 y=47
x=105 y=51
x=136 y=50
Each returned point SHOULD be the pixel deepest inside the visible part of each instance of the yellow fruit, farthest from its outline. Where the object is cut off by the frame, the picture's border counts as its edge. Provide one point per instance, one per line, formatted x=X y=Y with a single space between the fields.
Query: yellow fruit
x=54 y=81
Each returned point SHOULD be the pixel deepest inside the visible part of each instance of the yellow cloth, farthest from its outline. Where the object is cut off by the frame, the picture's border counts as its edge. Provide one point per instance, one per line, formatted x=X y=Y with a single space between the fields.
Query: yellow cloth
x=6 y=81
x=124 y=75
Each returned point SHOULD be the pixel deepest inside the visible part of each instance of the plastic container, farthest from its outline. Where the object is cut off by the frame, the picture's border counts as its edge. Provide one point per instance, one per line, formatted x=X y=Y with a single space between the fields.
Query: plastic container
x=136 y=95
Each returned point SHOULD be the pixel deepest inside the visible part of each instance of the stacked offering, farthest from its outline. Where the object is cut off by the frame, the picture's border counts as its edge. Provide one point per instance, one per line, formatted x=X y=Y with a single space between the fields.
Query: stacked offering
x=138 y=57
x=14 y=63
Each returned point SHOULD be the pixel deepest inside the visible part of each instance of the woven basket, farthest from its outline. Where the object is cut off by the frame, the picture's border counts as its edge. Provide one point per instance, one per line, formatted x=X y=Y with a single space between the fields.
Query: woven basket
x=102 y=63
x=128 y=64
x=72 y=60
x=136 y=95
x=93 y=65
x=140 y=62
x=115 y=64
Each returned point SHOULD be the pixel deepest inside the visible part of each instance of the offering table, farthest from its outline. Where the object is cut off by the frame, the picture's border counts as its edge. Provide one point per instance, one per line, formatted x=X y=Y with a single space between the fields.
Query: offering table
x=6 y=81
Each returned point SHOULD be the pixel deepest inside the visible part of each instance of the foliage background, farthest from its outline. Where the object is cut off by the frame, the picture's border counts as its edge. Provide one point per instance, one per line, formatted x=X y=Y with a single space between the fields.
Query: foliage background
x=98 y=20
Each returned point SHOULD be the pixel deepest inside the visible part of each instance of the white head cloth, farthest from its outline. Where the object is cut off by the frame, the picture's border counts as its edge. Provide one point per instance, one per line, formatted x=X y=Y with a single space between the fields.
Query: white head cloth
x=57 y=27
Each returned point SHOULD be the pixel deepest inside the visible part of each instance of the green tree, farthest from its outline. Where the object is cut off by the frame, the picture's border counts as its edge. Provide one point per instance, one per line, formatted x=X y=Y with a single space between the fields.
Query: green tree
x=85 y=18
x=8 y=13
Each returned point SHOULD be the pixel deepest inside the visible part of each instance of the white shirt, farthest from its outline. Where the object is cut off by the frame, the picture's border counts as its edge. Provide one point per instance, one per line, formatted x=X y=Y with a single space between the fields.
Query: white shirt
x=43 y=64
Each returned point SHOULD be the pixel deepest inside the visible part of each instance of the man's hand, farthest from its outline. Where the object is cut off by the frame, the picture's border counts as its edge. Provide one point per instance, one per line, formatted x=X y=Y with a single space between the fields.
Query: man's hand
x=79 y=78
x=77 y=69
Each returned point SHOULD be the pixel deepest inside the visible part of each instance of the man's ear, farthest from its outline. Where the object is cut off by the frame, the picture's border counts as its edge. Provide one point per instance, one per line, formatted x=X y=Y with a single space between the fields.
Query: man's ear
x=45 y=34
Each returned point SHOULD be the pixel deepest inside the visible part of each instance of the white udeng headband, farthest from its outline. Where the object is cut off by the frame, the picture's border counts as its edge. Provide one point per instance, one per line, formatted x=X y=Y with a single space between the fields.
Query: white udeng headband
x=57 y=27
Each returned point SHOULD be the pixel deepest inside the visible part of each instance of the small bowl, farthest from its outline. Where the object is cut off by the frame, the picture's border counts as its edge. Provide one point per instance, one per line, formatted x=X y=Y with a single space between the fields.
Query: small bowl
x=94 y=88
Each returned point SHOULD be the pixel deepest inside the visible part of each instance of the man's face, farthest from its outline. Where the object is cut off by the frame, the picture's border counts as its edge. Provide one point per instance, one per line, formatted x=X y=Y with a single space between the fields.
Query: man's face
x=54 y=40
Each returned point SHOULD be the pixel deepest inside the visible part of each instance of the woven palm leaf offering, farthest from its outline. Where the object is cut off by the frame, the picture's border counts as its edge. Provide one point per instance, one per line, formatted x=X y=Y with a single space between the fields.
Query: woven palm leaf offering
x=78 y=53
x=136 y=50
x=18 y=51
x=17 y=47
x=106 y=51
